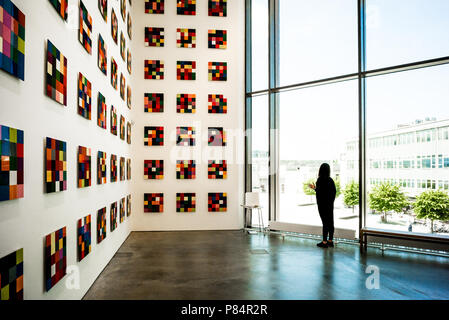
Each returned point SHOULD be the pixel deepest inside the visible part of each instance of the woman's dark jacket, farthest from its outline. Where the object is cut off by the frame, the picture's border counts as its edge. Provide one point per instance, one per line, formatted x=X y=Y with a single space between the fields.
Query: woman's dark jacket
x=325 y=194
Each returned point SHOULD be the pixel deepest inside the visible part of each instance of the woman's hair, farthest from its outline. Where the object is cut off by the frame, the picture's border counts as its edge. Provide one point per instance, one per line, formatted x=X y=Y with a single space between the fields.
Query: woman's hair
x=325 y=171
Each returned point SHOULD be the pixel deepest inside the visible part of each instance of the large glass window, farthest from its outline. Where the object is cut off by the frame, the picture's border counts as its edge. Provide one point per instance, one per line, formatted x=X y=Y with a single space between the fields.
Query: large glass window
x=317 y=125
x=317 y=39
x=259 y=44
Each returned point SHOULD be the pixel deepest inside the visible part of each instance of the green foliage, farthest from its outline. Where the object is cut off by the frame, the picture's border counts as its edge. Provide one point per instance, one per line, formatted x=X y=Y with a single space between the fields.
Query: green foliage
x=351 y=194
x=433 y=205
x=337 y=187
x=387 y=197
x=307 y=190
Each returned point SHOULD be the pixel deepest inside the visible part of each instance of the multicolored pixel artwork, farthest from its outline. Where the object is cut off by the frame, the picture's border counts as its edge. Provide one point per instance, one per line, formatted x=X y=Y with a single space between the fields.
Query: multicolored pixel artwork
x=84 y=97
x=186 y=7
x=154 y=6
x=84 y=167
x=101 y=104
x=61 y=7
x=153 y=202
x=102 y=55
x=185 y=202
x=185 y=169
x=217 y=103
x=185 y=38
x=217 y=8
x=186 y=70
x=185 y=103
x=154 y=69
x=55 y=258
x=12 y=164
x=153 y=136
x=217 y=137
x=101 y=224
x=84 y=243
x=217 y=39
x=113 y=168
x=185 y=136
x=11 y=276
x=217 y=202
x=217 y=169
x=154 y=102
x=85 y=28
x=56 y=75
x=113 y=216
x=218 y=71
x=55 y=165
x=154 y=37
x=101 y=167
x=153 y=169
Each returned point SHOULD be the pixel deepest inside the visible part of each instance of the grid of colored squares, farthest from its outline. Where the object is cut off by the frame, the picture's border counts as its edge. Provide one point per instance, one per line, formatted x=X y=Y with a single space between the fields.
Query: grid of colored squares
x=101 y=224
x=103 y=7
x=84 y=97
x=217 y=71
x=113 y=121
x=186 y=7
x=154 y=37
x=185 y=38
x=102 y=55
x=186 y=70
x=216 y=137
x=217 y=202
x=154 y=102
x=185 y=136
x=11 y=276
x=114 y=75
x=101 y=167
x=217 y=169
x=101 y=108
x=113 y=168
x=113 y=216
x=153 y=136
x=185 y=169
x=84 y=243
x=60 y=7
x=153 y=202
x=12 y=46
x=154 y=6
x=12 y=163
x=122 y=169
x=84 y=167
x=56 y=75
x=114 y=26
x=185 y=202
x=154 y=69
x=85 y=28
x=153 y=169
x=217 y=39
x=185 y=103
x=217 y=103
x=55 y=165
x=122 y=210
x=217 y=8
x=55 y=258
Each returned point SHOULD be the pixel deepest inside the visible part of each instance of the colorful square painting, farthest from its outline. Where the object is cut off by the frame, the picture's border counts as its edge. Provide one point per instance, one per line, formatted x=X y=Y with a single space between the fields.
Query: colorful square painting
x=84 y=167
x=101 y=224
x=101 y=104
x=103 y=7
x=128 y=205
x=218 y=71
x=217 y=169
x=128 y=169
x=55 y=165
x=12 y=164
x=61 y=7
x=113 y=168
x=123 y=9
x=217 y=103
x=122 y=127
x=185 y=202
x=129 y=61
x=122 y=86
x=128 y=97
x=11 y=276
x=84 y=96
x=186 y=7
x=185 y=103
x=122 y=169
x=114 y=75
x=122 y=46
x=154 y=37
x=113 y=121
x=85 y=29
x=101 y=167
x=186 y=70
x=129 y=27
x=185 y=38
x=102 y=55
x=56 y=75
x=154 y=69
x=153 y=169
x=217 y=137
x=12 y=48
x=122 y=210
x=114 y=26
x=128 y=132
x=55 y=258
x=218 y=8
x=153 y=202
x=185 y=169
x=217 y=202
x=217 y=39
x=153 y=136
x=154 y=102
x=84 y=243
x=154 y=6
x=113 y=217
x=185 y=136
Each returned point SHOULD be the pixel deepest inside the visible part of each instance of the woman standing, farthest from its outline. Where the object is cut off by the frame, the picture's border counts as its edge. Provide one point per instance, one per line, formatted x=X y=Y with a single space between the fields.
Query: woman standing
x=325 y=197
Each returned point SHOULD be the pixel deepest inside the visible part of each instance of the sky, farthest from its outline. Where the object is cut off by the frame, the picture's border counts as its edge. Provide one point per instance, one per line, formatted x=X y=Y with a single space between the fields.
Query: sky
x=318 y=39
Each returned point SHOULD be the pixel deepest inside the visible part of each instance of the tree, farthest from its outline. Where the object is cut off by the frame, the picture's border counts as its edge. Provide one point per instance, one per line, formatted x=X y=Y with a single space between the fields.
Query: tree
x=433 y=205
x=351 y=195
x=387 y=197
x=311 y=192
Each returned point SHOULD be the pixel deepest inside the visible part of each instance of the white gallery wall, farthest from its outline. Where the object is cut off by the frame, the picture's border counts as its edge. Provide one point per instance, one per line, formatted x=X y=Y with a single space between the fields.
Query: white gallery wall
x=25 y=222
x=232 y=121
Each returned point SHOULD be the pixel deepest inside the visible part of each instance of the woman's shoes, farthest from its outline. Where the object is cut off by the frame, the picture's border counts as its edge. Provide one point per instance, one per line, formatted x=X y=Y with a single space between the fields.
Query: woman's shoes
x=323 y=245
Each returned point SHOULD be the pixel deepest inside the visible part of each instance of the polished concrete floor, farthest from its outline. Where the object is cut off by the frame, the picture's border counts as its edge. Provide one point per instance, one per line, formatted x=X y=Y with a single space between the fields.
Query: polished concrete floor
x=234 y=265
